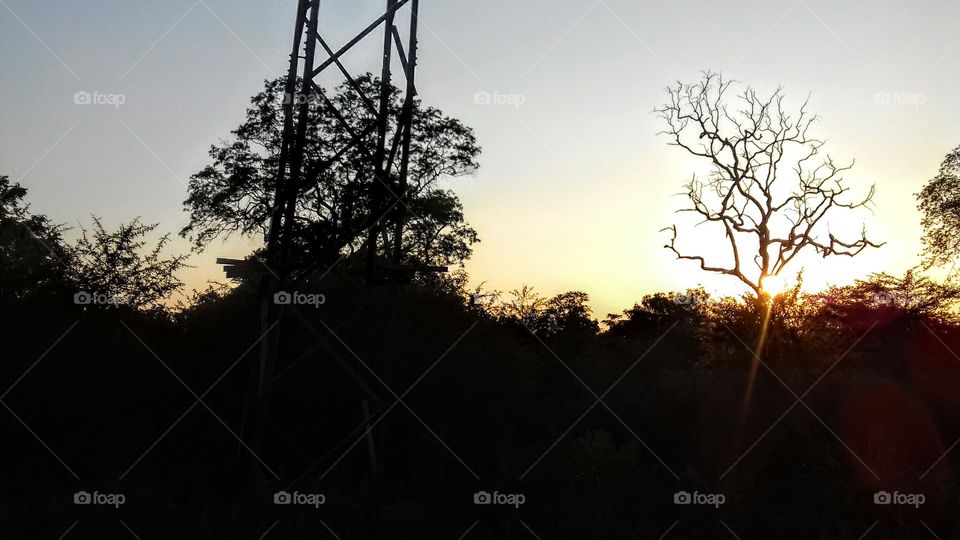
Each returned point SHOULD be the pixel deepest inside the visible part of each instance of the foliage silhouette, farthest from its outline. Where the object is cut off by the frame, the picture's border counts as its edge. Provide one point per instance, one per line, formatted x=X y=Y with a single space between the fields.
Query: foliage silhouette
x=597 y=424
x=939 y=204
x=38 y=264
x=234 y=193
x=113 y=263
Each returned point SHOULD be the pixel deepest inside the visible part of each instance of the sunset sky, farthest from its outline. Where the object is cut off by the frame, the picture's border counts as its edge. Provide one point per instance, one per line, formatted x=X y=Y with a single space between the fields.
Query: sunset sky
x=574 y=184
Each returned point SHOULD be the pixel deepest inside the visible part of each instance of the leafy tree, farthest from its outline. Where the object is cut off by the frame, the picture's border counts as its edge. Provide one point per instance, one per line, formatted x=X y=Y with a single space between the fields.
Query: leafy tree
x=655 y=312
x=939 y=202
x=436 y=231
x=113 y=263
x=882 y=295
x=524 y=309
x=234 y=194
x=565 y=313
x=36 y=263
x=569 y=312
x=33 y=255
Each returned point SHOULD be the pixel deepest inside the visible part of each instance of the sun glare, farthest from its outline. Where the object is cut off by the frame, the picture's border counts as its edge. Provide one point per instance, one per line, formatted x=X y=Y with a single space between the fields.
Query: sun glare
x=773 y=285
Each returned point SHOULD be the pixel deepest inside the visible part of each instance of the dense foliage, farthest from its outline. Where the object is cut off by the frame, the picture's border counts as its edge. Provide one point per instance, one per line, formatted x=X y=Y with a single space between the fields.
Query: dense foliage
x=501 y=386
x=234 y=194
x=939 y=203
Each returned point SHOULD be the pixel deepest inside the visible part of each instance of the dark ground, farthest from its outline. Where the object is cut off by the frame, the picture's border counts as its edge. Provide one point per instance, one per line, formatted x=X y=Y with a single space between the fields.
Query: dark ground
x=597 y=432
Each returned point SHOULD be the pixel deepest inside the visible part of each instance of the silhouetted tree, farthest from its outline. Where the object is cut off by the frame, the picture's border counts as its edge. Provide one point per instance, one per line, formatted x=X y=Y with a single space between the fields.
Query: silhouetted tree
x=114 y=263
x=36 y=262
x=33 y=255
x=565 y=313
x=234 y=194
x=769 y=187
x=524 y=309
x=655 y=312
x=886 y=296
x=436 y=231
x=939 y=202
x=569 y=312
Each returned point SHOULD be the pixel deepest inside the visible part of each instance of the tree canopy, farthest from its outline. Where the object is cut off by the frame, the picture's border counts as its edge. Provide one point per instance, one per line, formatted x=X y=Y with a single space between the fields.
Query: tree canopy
x=234 y=194
x=939 y=204
x=38 y=263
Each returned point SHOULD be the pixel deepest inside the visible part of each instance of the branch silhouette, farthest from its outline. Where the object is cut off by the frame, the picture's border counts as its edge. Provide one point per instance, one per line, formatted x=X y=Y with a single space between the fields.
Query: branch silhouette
x=770 y=186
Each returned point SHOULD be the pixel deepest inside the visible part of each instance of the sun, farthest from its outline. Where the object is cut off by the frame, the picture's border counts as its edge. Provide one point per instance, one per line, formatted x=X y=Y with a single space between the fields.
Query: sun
x=773 y=285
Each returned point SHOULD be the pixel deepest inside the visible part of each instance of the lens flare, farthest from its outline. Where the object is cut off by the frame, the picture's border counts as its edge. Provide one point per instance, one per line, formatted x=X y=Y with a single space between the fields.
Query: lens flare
x=773 y=285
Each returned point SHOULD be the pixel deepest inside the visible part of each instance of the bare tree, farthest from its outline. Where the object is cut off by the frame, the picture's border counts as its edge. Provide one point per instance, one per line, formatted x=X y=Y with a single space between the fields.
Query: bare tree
x=770 y=186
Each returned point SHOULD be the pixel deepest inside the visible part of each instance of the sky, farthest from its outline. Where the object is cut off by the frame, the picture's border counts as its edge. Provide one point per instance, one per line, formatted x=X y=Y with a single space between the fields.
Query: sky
x=574 y=186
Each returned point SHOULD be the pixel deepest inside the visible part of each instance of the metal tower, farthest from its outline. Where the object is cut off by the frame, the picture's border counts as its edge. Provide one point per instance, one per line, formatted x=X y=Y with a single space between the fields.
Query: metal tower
x=387 y=192
x=389 y=161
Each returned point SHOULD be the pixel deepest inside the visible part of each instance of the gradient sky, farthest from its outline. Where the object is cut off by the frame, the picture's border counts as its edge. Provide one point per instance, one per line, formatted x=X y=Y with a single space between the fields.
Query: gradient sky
x=574 y=183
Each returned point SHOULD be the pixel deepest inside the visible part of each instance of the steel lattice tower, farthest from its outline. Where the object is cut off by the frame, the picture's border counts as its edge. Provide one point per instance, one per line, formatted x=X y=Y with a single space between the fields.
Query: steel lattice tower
x=389 y=161
x=387 y=191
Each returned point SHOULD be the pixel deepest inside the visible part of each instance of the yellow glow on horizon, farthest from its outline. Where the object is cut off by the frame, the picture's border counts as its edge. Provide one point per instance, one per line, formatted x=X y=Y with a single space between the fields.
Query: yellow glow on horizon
x=607 y=241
